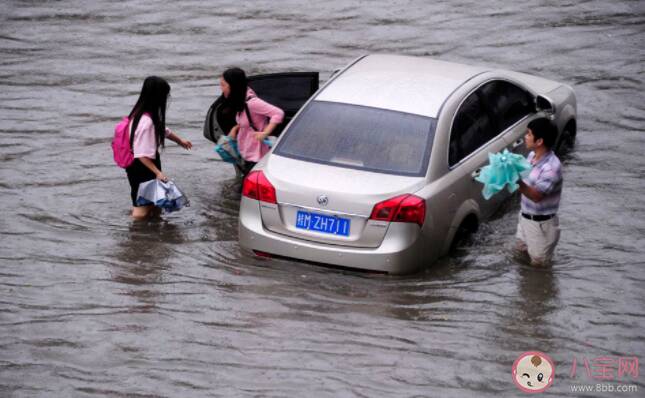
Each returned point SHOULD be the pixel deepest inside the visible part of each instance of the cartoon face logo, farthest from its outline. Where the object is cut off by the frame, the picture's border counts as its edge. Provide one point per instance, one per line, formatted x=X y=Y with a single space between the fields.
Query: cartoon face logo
x=533 y=372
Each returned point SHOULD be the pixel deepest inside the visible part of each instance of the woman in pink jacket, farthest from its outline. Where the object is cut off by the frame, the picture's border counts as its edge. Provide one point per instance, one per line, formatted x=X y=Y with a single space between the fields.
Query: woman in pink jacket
x=264 y=117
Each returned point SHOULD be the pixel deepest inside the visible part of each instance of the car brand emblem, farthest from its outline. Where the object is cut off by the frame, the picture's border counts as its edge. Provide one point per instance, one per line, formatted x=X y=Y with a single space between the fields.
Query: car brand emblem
x=323 y=200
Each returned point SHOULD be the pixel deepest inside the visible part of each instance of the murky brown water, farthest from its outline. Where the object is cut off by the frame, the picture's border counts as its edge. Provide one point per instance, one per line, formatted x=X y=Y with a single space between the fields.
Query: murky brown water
x=92 y=305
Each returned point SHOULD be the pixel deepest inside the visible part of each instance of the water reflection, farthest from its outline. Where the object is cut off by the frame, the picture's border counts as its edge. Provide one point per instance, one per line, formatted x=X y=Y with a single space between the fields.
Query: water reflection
x=536 y=299
x=220 y=211
x=142 y=256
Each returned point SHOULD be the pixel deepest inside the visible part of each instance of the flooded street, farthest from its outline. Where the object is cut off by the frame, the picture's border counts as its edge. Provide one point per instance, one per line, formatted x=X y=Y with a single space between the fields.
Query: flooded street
x=95 y=305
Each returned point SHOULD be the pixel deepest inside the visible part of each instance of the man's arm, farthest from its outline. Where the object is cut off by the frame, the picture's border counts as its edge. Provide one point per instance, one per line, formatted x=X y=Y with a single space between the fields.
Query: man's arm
x=530 y=192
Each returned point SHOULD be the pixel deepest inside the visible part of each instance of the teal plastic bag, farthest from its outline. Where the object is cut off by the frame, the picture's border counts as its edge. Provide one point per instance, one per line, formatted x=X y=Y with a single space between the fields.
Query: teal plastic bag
x=504 y=169
x=226 y=148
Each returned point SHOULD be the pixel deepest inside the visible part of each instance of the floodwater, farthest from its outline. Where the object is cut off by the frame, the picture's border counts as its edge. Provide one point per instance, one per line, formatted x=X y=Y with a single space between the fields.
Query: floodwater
x=94 y=305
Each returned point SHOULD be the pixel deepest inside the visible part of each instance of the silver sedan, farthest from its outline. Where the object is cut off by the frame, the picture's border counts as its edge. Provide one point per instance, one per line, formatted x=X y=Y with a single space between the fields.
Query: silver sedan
x=376 y=171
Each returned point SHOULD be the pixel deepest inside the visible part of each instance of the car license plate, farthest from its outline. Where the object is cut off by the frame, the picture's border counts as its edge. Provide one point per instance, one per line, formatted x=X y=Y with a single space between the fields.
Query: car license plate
x=321 y=223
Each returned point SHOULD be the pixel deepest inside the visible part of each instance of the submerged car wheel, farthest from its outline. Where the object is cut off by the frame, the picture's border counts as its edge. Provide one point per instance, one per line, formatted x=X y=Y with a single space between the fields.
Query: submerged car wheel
x=568 y=138
x=466 y=229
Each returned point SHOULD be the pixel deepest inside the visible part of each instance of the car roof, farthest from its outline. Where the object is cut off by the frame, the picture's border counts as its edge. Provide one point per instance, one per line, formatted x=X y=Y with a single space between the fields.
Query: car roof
x=402 y=83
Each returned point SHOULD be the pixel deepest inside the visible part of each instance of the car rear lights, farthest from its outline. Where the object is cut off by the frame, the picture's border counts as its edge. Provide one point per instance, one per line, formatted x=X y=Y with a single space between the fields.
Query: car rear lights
x=402 y=208
x=262 y=254
x=257 y=186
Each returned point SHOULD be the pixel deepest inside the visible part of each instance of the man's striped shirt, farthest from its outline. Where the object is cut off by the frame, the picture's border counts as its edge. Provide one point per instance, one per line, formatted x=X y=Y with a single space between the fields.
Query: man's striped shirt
x=546 y=177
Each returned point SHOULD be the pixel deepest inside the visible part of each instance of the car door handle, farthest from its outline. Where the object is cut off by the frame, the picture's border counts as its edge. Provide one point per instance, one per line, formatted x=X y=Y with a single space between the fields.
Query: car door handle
x=476 y=173
x=518 y=142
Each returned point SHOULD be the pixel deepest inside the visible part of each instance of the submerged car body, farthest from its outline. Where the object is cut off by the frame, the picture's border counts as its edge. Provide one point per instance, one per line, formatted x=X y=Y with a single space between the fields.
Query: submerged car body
x=376 y=171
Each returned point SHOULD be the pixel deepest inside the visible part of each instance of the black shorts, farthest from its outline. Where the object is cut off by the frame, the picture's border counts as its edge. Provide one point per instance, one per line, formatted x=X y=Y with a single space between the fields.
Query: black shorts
x=138 y=173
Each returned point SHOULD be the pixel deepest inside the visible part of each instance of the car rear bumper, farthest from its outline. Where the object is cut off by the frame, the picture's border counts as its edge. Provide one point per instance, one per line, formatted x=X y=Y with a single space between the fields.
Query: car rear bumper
x=400 y=252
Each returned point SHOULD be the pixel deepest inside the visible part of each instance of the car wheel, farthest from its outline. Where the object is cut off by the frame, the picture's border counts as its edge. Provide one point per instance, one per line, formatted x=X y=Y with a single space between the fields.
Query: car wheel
x=567 y=141
x=465 y=231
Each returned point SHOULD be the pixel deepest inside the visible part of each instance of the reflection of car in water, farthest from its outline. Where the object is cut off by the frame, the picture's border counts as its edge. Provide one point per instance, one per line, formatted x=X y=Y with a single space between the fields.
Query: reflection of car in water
x=376 y=171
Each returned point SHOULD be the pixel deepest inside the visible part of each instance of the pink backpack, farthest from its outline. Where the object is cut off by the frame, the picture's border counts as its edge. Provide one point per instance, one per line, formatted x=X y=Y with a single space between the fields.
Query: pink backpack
x=122 y=144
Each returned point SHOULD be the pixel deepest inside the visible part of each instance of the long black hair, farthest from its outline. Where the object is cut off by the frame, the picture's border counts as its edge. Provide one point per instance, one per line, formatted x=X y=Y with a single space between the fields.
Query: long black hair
x=152 y=100
x=236 y=78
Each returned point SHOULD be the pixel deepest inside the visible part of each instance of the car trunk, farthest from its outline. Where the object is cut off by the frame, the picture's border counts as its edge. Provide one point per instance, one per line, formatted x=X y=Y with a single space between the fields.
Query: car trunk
x=330 y=204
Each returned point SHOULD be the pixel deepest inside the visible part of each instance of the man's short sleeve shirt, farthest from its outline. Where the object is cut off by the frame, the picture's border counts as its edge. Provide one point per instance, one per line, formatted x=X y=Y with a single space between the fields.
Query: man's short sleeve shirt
x=546 y=177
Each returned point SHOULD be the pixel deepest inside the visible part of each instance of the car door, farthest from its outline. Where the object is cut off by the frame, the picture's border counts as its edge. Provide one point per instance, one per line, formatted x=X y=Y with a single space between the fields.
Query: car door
x=288 y=91
x=473 y=135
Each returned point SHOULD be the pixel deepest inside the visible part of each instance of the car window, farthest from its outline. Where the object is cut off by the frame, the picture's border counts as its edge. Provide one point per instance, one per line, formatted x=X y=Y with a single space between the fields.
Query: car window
x=360 y=137
x=471 y=129
x=509 y=103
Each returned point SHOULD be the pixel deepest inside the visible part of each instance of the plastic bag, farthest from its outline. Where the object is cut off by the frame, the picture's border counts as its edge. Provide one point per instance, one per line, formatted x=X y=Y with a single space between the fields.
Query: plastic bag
x=226 y=148
x=165 y=195
x=504 y=169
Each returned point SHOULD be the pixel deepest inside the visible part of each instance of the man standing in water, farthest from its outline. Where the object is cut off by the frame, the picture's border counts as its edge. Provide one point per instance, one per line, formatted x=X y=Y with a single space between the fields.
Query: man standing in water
x=538 y=229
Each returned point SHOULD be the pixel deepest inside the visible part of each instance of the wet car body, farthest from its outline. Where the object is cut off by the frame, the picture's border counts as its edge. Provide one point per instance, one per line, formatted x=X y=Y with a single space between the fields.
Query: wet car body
x=376 y=171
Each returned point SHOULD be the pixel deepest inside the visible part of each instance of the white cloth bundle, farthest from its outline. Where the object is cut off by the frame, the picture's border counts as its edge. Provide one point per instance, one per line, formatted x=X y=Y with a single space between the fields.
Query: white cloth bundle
x=165 y=195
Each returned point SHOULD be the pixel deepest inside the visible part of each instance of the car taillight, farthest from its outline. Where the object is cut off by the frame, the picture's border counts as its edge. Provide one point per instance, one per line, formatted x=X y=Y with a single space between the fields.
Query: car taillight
x=403 y=208
x=257 y=186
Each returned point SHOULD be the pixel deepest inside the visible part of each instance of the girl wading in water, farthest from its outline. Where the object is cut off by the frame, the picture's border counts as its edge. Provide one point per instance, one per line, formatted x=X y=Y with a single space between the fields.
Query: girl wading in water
x=255 y=118
x=148 y=122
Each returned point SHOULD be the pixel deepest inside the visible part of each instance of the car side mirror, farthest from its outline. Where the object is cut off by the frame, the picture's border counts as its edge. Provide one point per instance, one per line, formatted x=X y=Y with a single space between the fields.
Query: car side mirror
x=544 y=104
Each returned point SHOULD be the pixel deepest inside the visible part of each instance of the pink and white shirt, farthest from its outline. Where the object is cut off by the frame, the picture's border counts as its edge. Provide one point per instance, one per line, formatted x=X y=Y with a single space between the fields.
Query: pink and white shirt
x=262 y=113
x=145 y=142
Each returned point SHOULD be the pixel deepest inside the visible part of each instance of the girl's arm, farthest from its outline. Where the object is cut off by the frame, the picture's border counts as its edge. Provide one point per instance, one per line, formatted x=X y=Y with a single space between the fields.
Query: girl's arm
x=266 y=132
x=275 y=115
x=151 y=165
x=233 y=133
x=180 y=141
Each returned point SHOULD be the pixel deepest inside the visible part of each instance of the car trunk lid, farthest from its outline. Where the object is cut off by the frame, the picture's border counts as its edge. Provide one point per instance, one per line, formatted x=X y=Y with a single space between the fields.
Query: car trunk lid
x=330 y=204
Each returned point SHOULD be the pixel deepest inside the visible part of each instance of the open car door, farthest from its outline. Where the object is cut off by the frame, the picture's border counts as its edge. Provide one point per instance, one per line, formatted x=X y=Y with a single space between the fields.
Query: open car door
x=288 y=91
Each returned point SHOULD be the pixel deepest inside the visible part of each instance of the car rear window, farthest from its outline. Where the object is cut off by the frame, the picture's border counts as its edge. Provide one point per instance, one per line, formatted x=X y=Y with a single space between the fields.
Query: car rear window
x=360 y=137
